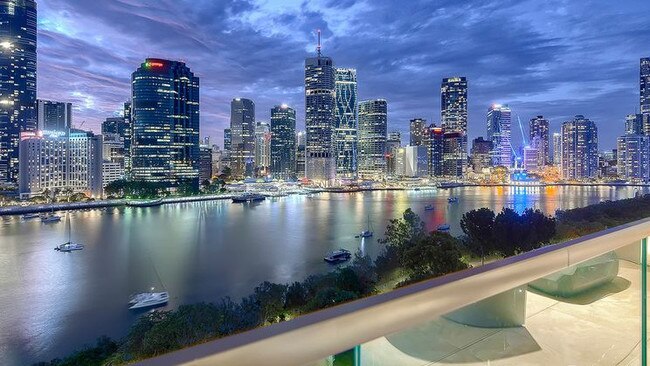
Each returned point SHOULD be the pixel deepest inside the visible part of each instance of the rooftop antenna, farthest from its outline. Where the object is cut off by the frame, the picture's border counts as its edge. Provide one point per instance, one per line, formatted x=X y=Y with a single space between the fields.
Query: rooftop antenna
x=318 y=47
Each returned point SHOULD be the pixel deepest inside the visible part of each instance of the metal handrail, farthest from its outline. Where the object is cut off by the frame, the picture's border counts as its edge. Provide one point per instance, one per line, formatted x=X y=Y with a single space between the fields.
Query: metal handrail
x=315 y=336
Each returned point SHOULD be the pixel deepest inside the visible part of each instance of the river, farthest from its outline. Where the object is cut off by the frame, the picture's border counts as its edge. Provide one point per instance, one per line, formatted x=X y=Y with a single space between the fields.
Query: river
x=52 y=303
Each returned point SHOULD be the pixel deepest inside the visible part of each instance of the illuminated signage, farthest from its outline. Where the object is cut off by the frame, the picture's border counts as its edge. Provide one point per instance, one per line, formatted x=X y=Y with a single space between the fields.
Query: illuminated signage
x=156 y=64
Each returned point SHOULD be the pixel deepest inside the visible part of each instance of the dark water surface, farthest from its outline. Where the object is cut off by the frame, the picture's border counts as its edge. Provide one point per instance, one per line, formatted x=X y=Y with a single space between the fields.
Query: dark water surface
x=52 y=303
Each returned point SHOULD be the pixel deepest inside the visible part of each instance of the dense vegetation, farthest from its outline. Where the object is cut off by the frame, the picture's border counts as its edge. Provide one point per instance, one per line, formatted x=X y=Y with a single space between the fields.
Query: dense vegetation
x=410 y=254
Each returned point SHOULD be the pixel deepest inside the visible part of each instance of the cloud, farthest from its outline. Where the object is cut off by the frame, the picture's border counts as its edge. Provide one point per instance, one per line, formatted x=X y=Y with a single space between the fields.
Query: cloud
x=557 y=58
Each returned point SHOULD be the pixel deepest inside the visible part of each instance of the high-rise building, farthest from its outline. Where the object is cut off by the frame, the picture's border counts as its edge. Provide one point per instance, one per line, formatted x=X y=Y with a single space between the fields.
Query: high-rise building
x=499 y=129
x=262 y=148
x=345 y=122
x=540 y=139
x=644 y=89
x=60 y=160
x=320 y=103
x=127 y=137
x=634 y=124
x=242 y=129
x=481 y=158
x=454 y=156
x=393 y=143
x=415 y=161
x=530 y=157
x=114 y=158
x=17 y=80
x=373 y=129
x=227 y=140
x=453 y=104
x=53 y=116
x=557 y=149
x=283 y=142
x=418 y=131
x=205 y=163
x=579 y=149
x=633 y=157
x=436 y=142
x=165 y=124
x=301 y=140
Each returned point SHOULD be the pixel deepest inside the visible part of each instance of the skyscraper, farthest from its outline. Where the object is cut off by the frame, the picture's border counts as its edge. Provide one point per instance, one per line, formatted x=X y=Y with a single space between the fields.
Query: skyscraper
x=128 y=135
x=417 y=131
x=262 y=148
x=393 y=144
x=227 y=140
x=540 y=139
x=481 y=150
x=53 y=116
x=436 y=151
x=644 y=88
x=453 y=104
x=319 y=117
x=499 y=132
x=301 y=140
x=579 y=149
x=453 y=118
x=634 y=124
x=633 y=157
x=242 y=129
x=283 y=142
x=17 y=80
x=373 y=129
x=345 y=122
x=165 y=130
x=557 y=149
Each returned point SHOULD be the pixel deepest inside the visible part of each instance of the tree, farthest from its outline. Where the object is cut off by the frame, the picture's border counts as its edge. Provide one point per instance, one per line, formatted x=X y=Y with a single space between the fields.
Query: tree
x=509 y=233
x=400 y=232
x=296 y=297
x=541 y=229
x=271 y=299
x=478 y=225
x=431 y=256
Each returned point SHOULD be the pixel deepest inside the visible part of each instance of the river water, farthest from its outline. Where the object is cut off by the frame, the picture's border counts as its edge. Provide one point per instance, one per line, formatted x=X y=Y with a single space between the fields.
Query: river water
x=52 y=303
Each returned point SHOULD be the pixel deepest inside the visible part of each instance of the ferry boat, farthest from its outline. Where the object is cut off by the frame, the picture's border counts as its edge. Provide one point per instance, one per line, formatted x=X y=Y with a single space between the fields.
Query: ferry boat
x=248 y=197
x=148 y=299
x=429 y=208
x=30 y=216
x=338 y=256
x=145 y=203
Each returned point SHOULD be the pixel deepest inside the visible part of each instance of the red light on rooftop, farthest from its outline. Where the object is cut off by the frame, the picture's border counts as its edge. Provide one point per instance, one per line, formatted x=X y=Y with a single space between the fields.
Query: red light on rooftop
x=154 y=64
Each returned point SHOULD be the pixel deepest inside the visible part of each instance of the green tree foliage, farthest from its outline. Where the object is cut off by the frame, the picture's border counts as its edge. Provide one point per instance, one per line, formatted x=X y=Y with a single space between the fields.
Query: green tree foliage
x=134 y=189
x=431 y=255
x=478 y=226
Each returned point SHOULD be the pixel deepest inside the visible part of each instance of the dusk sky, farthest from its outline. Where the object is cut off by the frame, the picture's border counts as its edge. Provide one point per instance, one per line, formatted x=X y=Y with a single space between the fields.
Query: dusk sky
x=556 y=58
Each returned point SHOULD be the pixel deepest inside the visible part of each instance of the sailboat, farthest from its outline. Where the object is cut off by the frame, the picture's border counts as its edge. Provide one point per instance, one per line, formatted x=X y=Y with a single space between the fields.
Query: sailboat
x=69 y=246
x=50 y=217
x=368 y=232
x=149 y=299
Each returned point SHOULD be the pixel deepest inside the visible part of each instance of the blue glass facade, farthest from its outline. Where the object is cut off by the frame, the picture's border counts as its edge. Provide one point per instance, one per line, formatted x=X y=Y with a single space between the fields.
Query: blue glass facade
x=346 y=114
x=283 y=142
x=165 y=130
x=17 y=80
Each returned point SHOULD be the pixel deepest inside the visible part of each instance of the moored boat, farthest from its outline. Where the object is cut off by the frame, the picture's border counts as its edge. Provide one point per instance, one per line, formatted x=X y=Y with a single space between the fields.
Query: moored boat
x=148 y=299
x=145 y=203
x=248 y=197
x=338 y=256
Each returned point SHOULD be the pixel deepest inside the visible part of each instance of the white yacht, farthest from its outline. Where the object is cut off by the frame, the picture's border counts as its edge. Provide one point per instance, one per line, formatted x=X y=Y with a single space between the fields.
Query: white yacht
x=69 y=246
x=30 y=216
x=49 y=218
x=148 y=299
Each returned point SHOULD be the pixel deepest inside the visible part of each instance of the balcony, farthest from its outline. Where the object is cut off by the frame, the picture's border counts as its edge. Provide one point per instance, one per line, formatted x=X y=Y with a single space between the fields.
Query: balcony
x=582 y=302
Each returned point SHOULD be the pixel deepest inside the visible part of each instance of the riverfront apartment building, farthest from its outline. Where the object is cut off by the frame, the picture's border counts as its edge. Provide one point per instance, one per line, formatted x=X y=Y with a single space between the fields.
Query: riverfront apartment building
x=18 y=81
x=283 y=142
x=61 y=160
x=346 y=122
x=53 y=116
x=499 y=131
x=579 y=149
x=373 y=130
x=320 y=82
x=165 y=124
x=242 y=137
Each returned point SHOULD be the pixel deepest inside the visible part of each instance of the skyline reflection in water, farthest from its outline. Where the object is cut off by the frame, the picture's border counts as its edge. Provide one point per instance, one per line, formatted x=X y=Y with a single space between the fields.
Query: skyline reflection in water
x=52 y=303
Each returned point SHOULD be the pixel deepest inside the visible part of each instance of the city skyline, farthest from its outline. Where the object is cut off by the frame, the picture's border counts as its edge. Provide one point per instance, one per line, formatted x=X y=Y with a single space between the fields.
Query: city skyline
x=532 y=70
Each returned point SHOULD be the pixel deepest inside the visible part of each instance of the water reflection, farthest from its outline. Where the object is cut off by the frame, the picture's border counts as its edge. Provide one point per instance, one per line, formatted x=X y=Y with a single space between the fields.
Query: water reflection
x=53 y=302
